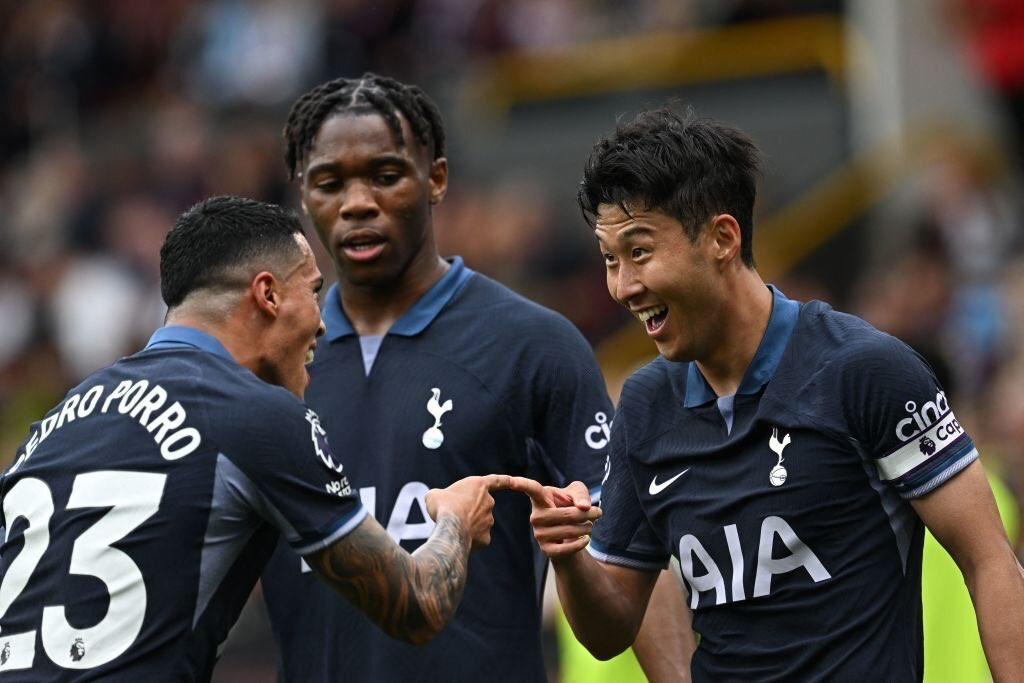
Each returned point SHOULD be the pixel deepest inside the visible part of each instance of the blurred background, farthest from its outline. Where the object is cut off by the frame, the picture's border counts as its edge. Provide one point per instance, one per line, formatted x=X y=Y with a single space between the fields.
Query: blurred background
x=893 y=135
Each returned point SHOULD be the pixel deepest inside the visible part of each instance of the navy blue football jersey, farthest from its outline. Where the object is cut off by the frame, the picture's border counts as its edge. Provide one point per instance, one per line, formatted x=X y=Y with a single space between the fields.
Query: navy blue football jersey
x=140 y=511
x=473 y=379
x=787 y=504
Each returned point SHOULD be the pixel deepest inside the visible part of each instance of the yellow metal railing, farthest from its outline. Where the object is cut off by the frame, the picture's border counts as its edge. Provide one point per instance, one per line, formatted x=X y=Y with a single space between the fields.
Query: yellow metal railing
x=661 y=60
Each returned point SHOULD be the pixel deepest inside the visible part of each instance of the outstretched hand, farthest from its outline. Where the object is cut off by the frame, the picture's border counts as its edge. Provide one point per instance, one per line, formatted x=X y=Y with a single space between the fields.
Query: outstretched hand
x=562 y=518
x=470 y=500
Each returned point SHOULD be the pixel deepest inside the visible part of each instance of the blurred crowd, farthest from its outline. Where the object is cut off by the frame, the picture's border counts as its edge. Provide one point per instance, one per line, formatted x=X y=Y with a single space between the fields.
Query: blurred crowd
x=953 y=288
x=117 y=115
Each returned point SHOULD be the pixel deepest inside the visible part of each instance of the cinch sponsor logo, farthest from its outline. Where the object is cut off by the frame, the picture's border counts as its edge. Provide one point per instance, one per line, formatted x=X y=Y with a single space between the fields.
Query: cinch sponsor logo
x=921 y=419
x=921 y=447
x=597 y=435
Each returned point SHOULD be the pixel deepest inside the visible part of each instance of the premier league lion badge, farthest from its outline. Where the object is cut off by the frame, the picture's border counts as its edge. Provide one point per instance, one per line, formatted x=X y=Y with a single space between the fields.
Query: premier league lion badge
x=319 y=437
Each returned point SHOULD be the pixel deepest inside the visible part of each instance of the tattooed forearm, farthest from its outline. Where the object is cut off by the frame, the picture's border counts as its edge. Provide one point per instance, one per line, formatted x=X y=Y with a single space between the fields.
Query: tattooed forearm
x=442 y=565
x=411 y=597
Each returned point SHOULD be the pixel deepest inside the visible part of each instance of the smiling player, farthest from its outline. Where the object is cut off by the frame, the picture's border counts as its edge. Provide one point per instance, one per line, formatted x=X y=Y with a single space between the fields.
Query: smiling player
x=787 y=454
x=140 y=511
x=434 y=373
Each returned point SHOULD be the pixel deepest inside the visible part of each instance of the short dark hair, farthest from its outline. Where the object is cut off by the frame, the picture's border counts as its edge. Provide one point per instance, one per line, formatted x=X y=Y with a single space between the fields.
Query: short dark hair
x=211 y=240
x=687 y=167
x=369 y=94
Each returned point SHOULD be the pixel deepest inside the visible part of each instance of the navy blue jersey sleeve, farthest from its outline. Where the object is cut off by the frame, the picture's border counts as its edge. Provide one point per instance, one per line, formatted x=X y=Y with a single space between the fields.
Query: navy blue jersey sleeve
x=572 y=414
x=900 y=417
x=284 y=468
x=623 y=535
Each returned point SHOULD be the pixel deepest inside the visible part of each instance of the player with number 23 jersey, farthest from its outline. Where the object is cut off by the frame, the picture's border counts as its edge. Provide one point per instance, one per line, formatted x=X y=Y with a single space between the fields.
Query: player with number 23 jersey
x=154 y=453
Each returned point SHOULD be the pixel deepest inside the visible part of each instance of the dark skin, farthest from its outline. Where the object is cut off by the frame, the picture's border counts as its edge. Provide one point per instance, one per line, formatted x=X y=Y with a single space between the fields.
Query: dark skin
x=273 y=322
x=370 y=200
x=370 y=197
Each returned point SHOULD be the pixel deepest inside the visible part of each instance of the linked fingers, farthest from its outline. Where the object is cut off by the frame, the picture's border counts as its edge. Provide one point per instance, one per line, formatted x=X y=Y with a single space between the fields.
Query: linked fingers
x=554 y=550
x=579 y=494
x=563 y=534
x=534 y=489
x=551 y=517
x=498 y=482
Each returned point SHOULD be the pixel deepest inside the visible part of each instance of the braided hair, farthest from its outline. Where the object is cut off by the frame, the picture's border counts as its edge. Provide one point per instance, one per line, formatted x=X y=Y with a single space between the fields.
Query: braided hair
x=369 y=94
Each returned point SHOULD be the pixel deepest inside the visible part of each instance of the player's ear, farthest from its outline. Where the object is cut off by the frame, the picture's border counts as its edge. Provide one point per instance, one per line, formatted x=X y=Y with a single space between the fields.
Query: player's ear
x=266 y=292
x=438 y=180
x=726 y=238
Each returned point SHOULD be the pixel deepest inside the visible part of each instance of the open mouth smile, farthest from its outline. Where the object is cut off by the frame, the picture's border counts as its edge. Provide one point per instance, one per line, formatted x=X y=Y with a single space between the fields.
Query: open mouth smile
x=653 y=318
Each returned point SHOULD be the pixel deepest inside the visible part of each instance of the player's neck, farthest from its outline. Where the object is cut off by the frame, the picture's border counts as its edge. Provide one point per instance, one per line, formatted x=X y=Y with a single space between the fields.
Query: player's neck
x=372 y=310
x=231 y=331
x=744 y=322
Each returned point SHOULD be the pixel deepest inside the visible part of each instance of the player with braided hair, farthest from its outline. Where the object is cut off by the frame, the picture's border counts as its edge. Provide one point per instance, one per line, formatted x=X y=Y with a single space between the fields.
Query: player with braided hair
x=371 y=93
x=429 y=372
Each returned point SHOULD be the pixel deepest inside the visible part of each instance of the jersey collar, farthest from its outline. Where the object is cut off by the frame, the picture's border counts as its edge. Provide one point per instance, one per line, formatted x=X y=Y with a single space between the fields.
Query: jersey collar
x=780 y=326
x=178 y=336
x=413 y=321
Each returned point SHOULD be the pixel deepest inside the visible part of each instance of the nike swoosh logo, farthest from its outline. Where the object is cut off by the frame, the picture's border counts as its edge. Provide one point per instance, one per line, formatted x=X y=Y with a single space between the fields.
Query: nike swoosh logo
x=657 y=488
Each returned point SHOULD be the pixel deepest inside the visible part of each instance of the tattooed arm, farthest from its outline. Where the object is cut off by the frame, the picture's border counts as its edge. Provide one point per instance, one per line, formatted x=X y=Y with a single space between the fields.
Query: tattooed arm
x=413 y=597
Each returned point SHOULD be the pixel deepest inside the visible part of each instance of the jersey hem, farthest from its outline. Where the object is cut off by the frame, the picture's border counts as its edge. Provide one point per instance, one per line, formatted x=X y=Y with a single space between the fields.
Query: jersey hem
x=944 y=476
x=631 y=562
x=342 y=528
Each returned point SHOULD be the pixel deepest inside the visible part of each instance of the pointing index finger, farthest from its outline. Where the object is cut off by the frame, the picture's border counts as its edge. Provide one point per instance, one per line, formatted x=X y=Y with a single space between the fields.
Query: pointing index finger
x=497 y=482
x=534 y=489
